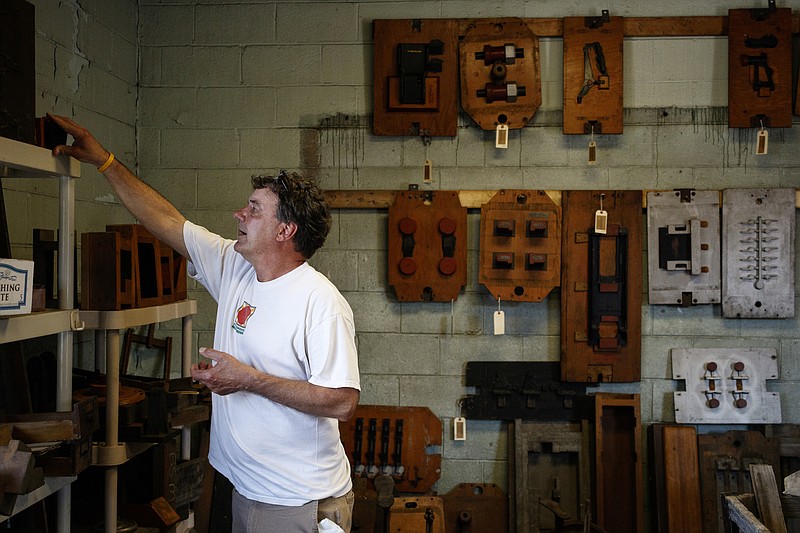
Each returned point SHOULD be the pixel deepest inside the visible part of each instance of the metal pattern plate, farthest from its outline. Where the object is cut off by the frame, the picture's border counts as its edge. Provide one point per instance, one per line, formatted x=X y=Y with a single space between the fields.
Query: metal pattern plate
x=758 y=261
x=683 y=246
x=726 y=386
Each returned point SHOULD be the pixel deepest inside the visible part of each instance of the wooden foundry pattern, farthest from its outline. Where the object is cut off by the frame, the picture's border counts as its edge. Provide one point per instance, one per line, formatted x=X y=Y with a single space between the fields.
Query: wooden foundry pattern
x=600 y=108
x=724 y=462
x=580 y=361
x=438 y=115
x=476 y=507
x=523 y=227
x=760 y=40
x=420 y=429
x=426 y=225
x=476 y=74
x=619 y=490
x=675 y=479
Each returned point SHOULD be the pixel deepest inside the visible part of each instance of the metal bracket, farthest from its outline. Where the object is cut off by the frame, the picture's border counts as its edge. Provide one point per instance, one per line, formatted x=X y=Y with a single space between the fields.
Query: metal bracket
x=594 y=23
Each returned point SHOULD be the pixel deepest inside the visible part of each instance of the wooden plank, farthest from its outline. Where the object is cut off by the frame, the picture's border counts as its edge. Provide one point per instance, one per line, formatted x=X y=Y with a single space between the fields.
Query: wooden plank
x=737 y=513
x=769 y=501
x=682 y=476
x=647 y=26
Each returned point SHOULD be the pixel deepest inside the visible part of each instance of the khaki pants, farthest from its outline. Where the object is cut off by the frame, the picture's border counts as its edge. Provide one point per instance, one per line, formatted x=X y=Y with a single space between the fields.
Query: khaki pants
x=256 y=517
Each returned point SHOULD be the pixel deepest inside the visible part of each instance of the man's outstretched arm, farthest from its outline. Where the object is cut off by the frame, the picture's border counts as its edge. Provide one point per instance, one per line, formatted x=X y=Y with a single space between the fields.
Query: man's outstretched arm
x=149 y=207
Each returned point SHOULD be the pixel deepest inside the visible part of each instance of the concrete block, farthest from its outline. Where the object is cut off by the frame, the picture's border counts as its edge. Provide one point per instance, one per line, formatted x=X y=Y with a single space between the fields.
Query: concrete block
x=656 y=359
x=523 y=318
x=457 y=350
x=270 y=148
x=239 y=107
x=436 y=317
x=124 y=62
x=543 y=147
x=169 y=106
x=223 y=189
x=442 y=152
x=307 y=106
x=196 y=148
x=683 y=145
x=374 y=312
x=282 y=66
x=379 y=390
x=179 y=186
x=432 y=392
x=346 y=64
x=183 y=66
x=487 y=440
x=362 y=229
x=479 y=9
x=775 y=327
x=148 y=150
x=93 y=40
x=789 y=392
x=457 y=471
x=317 y=22
x=367 y=12
x=565 y=178
x=504 y=157
x=397 y=354
x=166 y=25
x=733 y=178
x=121 y=15
x=697 y=320
x=551 y=58
x=340 y=266
x=150 y=65
x=234 y=24
x=662 y=401
x=471 y=140
x=389 y=178
x=59 y=22
x=466 y=178
x=372 y=271
x=545 y=348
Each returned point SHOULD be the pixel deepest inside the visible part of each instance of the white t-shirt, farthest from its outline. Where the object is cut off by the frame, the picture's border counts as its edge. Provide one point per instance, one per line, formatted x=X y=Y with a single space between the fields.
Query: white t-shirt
x=297 y=327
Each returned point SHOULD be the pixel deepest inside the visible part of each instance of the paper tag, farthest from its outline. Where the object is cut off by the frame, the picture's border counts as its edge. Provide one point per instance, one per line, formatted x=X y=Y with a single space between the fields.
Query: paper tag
x=499 y=322
x=592 y=153
x=427 y=171
x=501 y=136
x=762 y=142
x=459 y=428
x=600 y=221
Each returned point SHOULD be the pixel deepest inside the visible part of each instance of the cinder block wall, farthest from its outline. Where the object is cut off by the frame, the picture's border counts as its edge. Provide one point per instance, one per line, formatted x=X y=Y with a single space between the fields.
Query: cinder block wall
x=229 y=89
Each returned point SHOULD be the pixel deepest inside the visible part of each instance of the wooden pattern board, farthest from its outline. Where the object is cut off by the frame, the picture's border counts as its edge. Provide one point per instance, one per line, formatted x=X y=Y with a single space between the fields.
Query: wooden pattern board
x=394 y=441
x=619 y=490
x=724 y=468
x=499 y=60
x=580 y=360
x=437 y=114
x=675 y=474
x=592 y=75
x=427 y=246
x=476 y=507
x=520 y=245
x=760 y=68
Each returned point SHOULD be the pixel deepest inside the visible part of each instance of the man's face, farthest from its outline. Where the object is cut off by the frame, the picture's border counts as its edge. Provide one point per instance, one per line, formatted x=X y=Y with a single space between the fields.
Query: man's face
x=258 y=224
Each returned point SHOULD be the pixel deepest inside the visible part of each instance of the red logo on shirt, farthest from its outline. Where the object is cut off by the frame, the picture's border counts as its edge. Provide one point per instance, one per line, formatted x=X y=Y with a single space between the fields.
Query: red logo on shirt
x=241 y=317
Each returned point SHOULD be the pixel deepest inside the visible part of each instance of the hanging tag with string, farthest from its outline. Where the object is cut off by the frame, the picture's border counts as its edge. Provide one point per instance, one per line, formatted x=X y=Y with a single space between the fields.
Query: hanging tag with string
x=460 y=424
x=499 y=320
x=762 y=140
x=592 y=149
x=601 y=218
x=501 y=136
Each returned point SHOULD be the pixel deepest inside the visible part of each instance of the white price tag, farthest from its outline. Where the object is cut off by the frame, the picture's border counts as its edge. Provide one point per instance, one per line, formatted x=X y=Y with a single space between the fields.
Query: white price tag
x=499 y=323
x=501 y=136
x=600 y=221
x=762 y=142
x=427 y=171
x=592 y=153
x=459 y=428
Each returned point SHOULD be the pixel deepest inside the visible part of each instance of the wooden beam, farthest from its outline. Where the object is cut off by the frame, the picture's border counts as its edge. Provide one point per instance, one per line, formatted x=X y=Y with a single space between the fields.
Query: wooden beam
x=371 y=199
x=643 y=26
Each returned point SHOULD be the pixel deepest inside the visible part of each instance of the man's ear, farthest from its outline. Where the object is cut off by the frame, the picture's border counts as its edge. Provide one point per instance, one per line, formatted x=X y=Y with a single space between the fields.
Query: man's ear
x=288 y=231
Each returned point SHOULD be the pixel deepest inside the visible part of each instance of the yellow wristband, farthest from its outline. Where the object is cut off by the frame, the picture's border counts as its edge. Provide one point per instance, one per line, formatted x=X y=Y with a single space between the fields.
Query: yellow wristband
x=102 y=168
